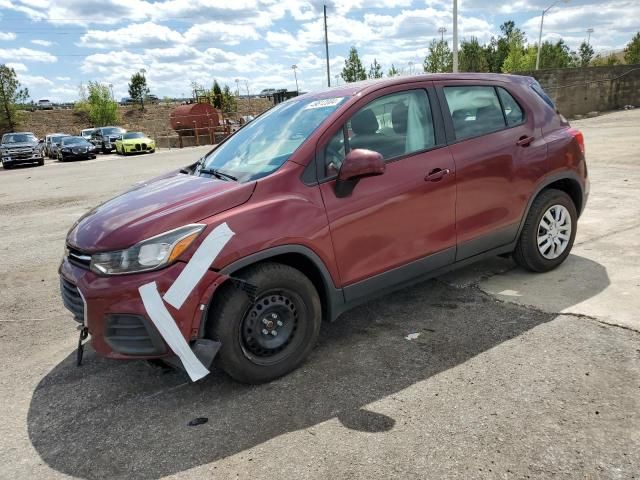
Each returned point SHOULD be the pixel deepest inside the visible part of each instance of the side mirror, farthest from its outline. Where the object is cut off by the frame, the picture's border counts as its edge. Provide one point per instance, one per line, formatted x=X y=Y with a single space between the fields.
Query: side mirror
x=358 y=163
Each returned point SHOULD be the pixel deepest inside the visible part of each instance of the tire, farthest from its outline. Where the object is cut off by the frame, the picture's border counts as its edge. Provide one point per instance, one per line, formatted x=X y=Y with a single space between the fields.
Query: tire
x=6 y=166
x=555 y=248
x=60 y=157
x=41 y=162
x=104 y=149
x=286 y=302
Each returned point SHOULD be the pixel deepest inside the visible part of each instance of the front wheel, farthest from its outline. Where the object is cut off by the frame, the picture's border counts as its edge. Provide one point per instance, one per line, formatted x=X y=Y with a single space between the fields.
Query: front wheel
x=269 y=336
x=548 y=233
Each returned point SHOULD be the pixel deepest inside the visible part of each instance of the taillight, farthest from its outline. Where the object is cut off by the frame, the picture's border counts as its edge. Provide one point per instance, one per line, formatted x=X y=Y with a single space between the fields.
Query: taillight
x=577 y=134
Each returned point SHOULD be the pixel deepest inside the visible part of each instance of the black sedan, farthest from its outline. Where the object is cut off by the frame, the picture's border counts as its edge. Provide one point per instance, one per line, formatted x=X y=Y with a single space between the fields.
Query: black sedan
x=75 y=148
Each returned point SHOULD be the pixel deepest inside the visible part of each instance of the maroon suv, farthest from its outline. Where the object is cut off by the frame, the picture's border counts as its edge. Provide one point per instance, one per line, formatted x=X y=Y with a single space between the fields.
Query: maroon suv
x=319 y=204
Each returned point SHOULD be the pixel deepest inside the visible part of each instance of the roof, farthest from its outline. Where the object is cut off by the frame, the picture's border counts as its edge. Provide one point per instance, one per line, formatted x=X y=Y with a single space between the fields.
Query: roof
x=350 y=89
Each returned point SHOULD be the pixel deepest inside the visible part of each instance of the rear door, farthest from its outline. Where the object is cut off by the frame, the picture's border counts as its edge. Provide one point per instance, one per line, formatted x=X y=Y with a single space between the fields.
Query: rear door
x=404 y=215
x=497 y=152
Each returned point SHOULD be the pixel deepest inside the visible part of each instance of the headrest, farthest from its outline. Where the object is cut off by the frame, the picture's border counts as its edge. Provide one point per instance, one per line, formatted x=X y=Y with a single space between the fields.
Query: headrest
x=364 y=123
x=399 y=117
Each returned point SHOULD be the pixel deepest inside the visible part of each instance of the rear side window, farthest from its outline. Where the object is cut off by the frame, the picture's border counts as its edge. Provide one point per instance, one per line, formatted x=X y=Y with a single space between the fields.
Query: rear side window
x=512 y=111
x=475 y=110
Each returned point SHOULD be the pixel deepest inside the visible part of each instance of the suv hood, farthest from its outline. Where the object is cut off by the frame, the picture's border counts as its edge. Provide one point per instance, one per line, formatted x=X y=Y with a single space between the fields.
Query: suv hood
x=10 y=146
x=155 y=207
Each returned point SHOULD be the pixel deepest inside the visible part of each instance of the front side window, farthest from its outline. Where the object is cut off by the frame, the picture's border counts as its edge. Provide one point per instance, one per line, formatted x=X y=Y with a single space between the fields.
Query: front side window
x=266 y=143
x=475 y=110
x=394 y=126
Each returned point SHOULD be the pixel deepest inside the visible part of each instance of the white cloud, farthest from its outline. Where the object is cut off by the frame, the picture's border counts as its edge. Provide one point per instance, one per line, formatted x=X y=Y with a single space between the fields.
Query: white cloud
x=34 y=81
x=26 y=54
x=18 y=67
x=7 y=36
x=42 y=43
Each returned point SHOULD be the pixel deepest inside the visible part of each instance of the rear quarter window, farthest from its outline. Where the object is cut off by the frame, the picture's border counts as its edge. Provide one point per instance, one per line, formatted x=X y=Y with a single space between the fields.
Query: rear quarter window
x=542 y=94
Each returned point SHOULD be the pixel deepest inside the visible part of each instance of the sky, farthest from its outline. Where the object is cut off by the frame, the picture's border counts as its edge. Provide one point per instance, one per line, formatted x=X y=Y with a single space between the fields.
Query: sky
x=55 y=45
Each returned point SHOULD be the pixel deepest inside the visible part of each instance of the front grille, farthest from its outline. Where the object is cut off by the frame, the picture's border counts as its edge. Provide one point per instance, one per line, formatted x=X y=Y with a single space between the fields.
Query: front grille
x=78 y=258
x=20 y=153
x=132 y=335
x=144 y=146
x=137 y=146
x=71 y=299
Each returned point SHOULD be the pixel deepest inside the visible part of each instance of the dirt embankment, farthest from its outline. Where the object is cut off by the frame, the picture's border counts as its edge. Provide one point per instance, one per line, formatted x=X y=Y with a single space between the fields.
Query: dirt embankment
x=154 y=120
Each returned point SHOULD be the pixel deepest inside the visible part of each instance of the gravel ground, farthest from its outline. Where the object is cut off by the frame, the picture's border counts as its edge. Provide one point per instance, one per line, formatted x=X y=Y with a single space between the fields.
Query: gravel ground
x=513 y=375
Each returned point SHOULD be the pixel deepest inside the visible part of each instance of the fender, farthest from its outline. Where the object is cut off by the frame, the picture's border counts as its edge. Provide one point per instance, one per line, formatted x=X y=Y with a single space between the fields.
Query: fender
x=544 y=183
x=334 y=297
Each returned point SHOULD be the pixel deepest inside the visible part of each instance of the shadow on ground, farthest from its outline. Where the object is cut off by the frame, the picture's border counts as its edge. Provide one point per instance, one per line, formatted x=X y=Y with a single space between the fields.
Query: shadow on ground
x=127 y=420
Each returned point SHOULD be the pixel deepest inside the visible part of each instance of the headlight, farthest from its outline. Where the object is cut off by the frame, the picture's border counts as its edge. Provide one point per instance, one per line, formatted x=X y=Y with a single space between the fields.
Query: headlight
x=150 y=254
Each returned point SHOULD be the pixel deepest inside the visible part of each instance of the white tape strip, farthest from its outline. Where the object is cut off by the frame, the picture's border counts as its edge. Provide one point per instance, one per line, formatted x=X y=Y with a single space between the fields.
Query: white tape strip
x=198 y=265
x=169 y=330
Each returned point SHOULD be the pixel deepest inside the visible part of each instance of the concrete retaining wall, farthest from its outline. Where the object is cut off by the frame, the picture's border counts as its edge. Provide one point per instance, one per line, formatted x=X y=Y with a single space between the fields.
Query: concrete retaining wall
x=582 y=90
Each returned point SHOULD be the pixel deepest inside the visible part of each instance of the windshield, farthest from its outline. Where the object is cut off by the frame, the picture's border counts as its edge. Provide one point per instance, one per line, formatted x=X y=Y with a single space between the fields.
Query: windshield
x=57 y=138
x=263 y=145
x=19 y=138
x=133 y=135
x=73 y=140
x=113 y=130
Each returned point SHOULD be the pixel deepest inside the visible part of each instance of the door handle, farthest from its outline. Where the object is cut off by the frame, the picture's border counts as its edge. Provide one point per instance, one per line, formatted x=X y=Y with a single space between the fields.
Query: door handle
x=437 y=174
x=524 y=141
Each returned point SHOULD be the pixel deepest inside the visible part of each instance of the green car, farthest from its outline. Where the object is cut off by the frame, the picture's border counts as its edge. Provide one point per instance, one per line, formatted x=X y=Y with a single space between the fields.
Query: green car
x=134 y=142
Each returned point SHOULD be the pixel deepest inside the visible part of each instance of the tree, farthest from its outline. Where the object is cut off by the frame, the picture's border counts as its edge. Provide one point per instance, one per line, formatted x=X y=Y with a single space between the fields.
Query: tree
x=229 y=101
x=632 y=50
x=555 y=55
x=609 y=60
x=518 y=58
x=353 y=69
x=585 y=54
x=439 y=59
x=10 y=94
x=393 y=71
x=472 y=56
x=217 y=95
x=138 y=89
x=97 y=104
x=375 y=70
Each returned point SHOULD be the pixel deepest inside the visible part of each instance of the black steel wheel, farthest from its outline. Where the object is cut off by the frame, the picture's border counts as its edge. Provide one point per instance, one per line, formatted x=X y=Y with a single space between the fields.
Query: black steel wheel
x=270 y=335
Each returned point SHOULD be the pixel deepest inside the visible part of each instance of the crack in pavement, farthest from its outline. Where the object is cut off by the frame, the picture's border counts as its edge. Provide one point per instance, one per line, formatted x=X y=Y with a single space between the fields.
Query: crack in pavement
x=605 y=235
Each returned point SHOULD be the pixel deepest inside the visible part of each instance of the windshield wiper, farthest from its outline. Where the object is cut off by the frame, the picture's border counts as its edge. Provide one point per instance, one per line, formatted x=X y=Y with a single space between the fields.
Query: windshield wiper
x=218 y=174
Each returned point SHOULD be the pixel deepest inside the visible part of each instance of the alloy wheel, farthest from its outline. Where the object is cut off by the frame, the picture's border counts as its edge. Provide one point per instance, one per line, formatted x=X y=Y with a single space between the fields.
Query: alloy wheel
x=554 y=232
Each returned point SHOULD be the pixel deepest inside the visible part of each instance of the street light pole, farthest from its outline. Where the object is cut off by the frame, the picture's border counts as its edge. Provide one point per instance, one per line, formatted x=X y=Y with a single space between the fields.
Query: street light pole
x=442 y=31
x=589 y=32
x=294 y=67
x=326 y=45
x=455 y=36
x=540 y=34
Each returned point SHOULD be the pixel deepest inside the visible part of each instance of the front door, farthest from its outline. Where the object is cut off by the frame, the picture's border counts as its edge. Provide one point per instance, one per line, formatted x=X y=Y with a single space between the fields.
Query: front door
x=404 y=215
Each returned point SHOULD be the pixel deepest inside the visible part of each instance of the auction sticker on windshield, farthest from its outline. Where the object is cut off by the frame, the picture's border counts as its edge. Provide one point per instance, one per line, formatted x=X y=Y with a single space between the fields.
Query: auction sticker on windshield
x=326 y=102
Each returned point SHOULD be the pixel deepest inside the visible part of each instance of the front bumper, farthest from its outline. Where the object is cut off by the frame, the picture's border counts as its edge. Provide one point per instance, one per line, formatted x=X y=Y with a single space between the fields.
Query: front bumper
x=113 y=310
x=138 y=147
x=8 y=159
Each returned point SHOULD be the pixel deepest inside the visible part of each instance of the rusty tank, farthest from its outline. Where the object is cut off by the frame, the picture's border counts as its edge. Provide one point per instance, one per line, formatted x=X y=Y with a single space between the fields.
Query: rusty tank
x=195 y=117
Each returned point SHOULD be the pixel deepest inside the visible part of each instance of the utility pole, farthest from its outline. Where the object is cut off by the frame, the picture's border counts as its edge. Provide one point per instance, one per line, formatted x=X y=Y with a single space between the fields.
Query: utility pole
x=337 y=77
x=246 y=84
x=589 y=32
x=237 y=87
x=295 y=67
x=455 y=36
x=326 y=46
x=442 y=31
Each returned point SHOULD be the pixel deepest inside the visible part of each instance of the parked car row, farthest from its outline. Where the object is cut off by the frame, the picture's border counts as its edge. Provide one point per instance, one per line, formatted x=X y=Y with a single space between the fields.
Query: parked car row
x=25 y=147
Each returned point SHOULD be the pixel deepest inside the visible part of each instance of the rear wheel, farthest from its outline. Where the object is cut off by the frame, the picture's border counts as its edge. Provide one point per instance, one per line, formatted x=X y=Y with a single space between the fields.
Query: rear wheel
x=548 y=233
x=265 y=338
x=41 y=162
